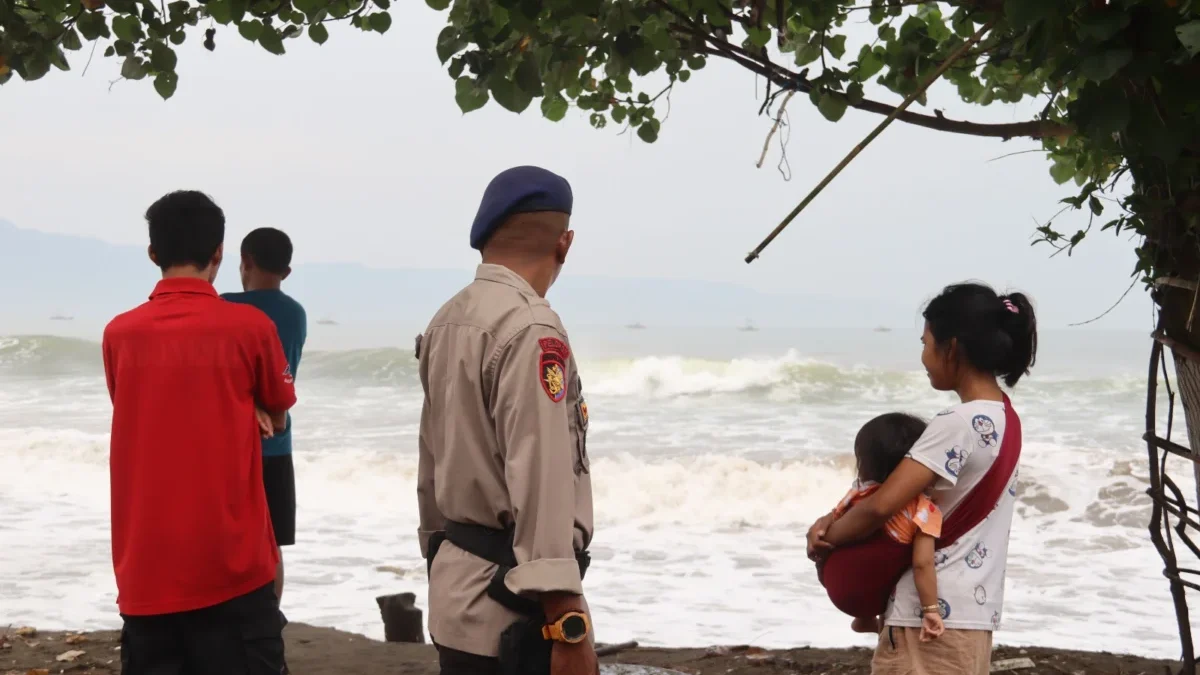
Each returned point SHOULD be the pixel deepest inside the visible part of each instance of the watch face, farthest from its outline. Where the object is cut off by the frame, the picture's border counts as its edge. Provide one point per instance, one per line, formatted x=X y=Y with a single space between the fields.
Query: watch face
x=574 y=628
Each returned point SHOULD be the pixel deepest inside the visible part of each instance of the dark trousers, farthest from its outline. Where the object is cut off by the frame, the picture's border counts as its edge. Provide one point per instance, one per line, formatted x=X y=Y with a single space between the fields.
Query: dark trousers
x=454 y=662
x=242 y=636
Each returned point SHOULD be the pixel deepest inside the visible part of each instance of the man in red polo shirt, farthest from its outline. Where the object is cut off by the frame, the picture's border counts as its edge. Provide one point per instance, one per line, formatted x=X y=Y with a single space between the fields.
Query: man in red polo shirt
x=193 y=550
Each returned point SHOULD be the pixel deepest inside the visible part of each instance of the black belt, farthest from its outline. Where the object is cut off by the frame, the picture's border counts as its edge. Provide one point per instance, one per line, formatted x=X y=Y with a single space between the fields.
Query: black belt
x=496 y=547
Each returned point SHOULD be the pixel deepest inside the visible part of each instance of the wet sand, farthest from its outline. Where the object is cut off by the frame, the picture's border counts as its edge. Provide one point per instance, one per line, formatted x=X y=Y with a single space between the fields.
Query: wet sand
x=325 y=651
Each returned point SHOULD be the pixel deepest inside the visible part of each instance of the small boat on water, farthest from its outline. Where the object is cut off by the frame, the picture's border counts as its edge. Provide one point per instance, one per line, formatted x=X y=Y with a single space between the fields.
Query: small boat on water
x=326 y=322
x=748 y=327
x=882 y=329
x=636 y=325
x=61 y=317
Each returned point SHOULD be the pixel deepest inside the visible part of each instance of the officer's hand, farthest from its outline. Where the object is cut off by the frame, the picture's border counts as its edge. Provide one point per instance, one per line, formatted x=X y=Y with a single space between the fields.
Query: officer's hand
x=579 y=659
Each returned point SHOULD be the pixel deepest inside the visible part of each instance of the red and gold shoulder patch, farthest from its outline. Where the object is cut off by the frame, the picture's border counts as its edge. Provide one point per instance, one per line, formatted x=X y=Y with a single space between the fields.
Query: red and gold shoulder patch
x=552 y=367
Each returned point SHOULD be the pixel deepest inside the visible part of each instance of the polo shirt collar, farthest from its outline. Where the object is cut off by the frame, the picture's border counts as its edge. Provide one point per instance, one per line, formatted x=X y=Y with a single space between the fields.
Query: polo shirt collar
x=502 y=275
x=183 y=285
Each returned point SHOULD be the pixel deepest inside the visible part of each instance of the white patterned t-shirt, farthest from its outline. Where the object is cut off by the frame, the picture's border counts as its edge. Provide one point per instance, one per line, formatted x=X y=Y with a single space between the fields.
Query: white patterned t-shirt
x=960 y=445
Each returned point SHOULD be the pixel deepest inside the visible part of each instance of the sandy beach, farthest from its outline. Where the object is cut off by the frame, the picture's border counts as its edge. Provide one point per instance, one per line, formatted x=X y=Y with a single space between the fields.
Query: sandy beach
x=325 y=651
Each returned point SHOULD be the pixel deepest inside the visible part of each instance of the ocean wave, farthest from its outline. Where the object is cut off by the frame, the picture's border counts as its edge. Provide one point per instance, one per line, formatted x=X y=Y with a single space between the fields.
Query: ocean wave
x=789 y=377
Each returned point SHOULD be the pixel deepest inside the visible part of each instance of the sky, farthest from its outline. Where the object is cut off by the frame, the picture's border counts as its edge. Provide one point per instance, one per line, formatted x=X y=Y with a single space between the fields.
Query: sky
x=357 y=149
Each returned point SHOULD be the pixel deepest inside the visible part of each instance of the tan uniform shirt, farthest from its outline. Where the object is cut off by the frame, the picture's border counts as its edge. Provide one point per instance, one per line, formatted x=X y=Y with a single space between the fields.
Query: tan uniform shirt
x=502 y=443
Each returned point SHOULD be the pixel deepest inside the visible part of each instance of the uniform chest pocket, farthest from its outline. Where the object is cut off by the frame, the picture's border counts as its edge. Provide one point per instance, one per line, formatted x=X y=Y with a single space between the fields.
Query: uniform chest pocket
x=582 y=464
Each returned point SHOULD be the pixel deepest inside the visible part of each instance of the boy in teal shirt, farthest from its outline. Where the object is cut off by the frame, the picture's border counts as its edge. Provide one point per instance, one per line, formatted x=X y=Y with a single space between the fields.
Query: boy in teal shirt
x=266 y=262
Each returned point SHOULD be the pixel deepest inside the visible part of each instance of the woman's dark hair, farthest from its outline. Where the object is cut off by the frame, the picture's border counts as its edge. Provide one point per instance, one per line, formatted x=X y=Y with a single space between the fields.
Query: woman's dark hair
x=995 y=333
x=883 y=442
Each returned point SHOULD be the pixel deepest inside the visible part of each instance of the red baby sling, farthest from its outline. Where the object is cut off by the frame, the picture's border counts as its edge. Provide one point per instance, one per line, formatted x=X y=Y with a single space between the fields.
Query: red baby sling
x=860 y=577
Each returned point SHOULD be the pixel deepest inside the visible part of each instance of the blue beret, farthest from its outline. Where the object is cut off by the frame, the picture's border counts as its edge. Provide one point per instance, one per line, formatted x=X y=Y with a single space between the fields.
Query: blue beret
x=522 y=189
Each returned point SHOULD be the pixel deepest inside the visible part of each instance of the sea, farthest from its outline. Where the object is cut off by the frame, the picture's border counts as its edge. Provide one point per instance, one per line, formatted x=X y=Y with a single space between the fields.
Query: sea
x=713 y=450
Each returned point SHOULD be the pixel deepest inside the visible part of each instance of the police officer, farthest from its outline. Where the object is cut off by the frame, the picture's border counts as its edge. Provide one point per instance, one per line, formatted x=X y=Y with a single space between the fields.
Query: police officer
x=503 y=485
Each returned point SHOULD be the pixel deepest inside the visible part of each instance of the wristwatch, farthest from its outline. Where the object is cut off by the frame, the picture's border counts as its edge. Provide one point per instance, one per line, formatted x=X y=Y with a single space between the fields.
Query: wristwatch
x=572 y=628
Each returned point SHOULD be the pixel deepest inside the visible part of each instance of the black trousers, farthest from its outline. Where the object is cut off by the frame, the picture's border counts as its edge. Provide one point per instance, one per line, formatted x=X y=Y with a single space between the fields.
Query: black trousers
x=454 y=662
x=242 y=636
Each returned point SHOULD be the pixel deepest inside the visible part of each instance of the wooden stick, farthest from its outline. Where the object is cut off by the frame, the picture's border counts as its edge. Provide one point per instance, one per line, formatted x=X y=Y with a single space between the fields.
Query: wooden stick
x=609 y=650
x=753 y=255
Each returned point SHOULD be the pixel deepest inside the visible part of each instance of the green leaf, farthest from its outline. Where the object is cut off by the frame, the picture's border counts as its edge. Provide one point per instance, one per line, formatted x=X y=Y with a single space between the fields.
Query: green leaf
x=1022 y=14
x=448 y=43
x=1062 y=171
x=836 y=46
x=251 y=30
x=110 y=51
x=123 y=48
x=1095 y=205
x=1189 y=36
x=318 y=33
x=760 y=37
x=807 y=53
x=854 y=93
x=162 y=58
x=648 y=131
x=133 y=68
x=528 y=78
x=1102 y=24
x=554 y=108
x=619 y=113
x=832 y=105
x=869 y=64
x=58 y=59
x=237 y=10
x=178 y=37
x=1099 y=67
x=385 y=5
x=381 y=22
x=70 y=40
x=92 y=25
x=165 y=83
x=509 y=95
x=34 y=67
x=272 y=41
x=221 y=11
x=685 y=75
x=695 y=62
x=127 y=28
x=468 y=95
x=439 y=5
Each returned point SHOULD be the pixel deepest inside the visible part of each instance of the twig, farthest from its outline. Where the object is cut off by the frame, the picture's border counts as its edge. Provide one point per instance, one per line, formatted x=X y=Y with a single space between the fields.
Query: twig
x=89 y=63
x=774 y=128
x=1014 y=154
x=1119 y=301
x=870 y=137
x=609 y=650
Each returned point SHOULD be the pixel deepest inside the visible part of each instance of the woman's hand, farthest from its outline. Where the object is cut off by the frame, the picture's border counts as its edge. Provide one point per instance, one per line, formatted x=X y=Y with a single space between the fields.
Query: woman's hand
x=265 y=426
x=931 y=627
x=818 y=548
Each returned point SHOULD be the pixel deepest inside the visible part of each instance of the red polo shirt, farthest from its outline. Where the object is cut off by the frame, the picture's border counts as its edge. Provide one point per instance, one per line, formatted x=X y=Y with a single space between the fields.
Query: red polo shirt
x=190 y=527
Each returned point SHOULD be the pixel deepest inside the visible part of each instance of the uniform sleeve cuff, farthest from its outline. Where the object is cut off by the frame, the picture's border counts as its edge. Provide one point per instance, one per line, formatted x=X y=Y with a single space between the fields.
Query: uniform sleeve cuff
x=547 y=575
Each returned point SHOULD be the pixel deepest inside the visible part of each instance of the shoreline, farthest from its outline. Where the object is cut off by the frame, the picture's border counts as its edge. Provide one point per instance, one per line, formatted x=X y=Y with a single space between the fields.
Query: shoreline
x=314 y=650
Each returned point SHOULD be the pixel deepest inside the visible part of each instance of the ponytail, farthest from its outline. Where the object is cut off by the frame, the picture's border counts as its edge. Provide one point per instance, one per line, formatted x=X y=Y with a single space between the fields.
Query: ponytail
x=1020 y=324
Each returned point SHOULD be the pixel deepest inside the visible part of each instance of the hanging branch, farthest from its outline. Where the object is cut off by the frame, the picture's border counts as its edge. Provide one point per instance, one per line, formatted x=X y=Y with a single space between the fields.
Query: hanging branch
x=774 y=128
x=753 y=255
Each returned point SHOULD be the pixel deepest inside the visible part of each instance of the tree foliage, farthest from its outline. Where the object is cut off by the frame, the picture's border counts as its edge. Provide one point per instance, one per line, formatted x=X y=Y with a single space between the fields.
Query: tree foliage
x=1119 y=80
x=36 y=34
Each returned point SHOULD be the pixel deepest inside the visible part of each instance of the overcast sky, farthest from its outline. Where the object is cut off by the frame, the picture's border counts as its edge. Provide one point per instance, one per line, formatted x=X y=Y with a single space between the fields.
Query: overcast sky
x=356 y=148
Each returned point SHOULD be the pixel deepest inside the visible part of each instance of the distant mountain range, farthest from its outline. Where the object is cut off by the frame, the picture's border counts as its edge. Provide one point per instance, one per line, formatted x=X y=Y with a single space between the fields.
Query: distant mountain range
x=44 y=274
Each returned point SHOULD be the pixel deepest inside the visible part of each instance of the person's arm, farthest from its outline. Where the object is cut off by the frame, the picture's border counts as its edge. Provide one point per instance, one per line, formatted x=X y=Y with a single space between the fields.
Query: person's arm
x=110 y=367
x=531 y=410
x=430 y=518
x=274 y=388
x=908 y=480
x=923 y=571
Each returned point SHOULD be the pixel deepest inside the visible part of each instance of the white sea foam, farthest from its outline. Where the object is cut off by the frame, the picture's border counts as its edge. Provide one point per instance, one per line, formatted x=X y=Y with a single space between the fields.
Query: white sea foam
x=707 y=472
